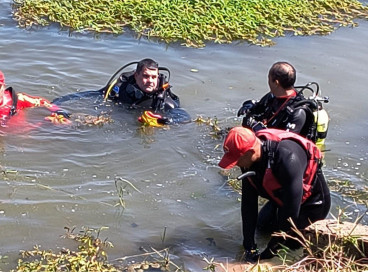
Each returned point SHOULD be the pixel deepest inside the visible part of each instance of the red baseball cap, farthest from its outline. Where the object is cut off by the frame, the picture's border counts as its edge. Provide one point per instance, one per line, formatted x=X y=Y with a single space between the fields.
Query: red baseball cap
x=2 y=78
x=238 y=141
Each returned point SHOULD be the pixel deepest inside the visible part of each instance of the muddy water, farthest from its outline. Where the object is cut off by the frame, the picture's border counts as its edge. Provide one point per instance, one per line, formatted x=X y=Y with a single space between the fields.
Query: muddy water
x=66 y=176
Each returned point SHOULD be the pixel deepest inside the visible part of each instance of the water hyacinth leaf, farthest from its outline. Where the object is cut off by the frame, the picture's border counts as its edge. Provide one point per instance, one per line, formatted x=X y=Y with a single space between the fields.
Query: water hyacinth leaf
x=195 y=22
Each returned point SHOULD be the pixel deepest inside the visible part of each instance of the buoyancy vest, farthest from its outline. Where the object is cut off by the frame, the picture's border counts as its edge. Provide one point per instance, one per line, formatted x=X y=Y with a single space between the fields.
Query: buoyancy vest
x=316 y=124
x=270 y=184
x=125 y=90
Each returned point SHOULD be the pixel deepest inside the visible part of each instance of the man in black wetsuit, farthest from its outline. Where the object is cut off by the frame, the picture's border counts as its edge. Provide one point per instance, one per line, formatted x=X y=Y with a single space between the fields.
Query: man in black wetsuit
x=147 y=88
x=292 y=181
x=273 y=110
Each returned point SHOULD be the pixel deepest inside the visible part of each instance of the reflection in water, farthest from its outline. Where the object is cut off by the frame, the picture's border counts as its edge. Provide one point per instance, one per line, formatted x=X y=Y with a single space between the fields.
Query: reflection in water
x=66 y=175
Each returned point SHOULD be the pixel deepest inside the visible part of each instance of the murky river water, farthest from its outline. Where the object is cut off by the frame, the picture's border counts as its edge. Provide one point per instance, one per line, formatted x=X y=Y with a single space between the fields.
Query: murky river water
x=66 y=175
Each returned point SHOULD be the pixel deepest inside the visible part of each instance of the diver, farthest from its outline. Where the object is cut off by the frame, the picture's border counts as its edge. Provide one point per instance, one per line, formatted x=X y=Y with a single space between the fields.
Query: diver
x=146 y=88
x=286 y=107
x=12 y=103
x=284 y=168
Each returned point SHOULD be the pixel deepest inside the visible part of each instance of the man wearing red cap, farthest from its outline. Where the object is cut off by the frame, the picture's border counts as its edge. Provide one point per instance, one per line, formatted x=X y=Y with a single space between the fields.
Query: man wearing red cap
x=11 y=103
x=286 y=171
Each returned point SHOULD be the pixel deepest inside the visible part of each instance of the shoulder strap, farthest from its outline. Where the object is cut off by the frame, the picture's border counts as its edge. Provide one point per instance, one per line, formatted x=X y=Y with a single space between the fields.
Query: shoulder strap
x=14 y=98
x=269 y=148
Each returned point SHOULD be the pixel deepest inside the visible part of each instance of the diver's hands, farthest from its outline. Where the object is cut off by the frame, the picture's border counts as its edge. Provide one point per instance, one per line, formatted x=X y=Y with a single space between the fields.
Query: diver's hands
x=151 y=119
x=58 y=119
x=246 y=107
x=63 y=113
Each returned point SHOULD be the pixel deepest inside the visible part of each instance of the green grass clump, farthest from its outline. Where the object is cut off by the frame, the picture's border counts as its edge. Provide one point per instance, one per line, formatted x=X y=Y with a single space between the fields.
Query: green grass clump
x=91 y=256
x=194 y=22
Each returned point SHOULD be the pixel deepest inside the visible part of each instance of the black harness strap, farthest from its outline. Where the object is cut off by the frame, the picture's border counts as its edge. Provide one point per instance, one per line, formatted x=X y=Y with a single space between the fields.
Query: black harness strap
x=14 y=97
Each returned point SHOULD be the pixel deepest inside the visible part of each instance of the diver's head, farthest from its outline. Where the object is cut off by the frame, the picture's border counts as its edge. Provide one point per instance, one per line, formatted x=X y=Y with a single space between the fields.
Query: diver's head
x=146 y=75
x=241 y=148
x=281 y=78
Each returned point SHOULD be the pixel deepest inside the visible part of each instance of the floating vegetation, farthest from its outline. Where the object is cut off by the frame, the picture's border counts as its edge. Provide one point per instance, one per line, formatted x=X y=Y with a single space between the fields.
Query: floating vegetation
x=196 y=21
x=91 y=120
x=91 y=256
x=216 y=131
x=235 y=184
x=7 y=172
x=347 y=189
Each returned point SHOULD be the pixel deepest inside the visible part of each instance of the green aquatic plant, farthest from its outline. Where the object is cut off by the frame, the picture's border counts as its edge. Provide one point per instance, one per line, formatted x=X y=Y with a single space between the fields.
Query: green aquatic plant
x=213 y=123
x=195 y=22
x=348 y=189
x=121 y=185
x=91 y=256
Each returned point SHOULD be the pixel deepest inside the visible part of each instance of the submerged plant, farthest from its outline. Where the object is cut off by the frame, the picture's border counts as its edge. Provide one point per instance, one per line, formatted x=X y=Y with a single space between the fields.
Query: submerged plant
x=195 y=22
x=121 y=185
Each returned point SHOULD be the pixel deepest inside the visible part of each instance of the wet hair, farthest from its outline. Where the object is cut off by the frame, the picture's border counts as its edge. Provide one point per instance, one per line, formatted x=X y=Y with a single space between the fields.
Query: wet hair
x=284 y=72
x=146 y=63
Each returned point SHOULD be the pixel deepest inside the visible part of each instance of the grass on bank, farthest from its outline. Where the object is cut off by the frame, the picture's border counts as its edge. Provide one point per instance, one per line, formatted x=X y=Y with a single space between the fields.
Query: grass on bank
x=194 y=22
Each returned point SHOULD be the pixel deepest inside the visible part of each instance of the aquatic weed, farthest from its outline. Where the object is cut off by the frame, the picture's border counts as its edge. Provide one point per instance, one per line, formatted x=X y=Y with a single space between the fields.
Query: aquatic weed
x=91 y=256
x=195 y=22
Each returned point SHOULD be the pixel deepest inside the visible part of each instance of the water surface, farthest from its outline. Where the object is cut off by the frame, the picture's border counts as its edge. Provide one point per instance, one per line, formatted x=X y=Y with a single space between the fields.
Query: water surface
x=66 y=175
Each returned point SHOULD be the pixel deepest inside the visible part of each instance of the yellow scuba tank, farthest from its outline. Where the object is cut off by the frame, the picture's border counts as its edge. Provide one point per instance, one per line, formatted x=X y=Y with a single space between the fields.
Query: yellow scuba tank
x=322 y=120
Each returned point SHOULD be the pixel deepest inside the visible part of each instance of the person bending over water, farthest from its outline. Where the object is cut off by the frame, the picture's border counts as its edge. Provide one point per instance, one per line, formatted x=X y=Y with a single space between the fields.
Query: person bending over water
x=285 y=168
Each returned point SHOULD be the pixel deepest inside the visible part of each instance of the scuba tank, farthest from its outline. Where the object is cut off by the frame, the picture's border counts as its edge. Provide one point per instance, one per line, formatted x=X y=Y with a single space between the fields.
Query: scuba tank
x=321 y=118
x=112 y=86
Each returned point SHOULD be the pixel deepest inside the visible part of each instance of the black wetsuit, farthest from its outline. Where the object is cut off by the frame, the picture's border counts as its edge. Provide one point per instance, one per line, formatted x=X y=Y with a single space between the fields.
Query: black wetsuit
x=290 y=161
x=277 y=112
x=164 y=102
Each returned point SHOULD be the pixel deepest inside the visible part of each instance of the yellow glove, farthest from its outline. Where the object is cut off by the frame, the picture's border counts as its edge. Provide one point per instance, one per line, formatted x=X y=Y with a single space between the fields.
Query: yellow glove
x=58 y=119
x=151 y=119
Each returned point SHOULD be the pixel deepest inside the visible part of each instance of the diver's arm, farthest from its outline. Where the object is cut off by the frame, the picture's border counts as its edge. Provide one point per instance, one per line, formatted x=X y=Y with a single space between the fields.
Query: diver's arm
x=28 y=101
x=297 y=121
x=249 y=212
x=290 y=163
x=177 y=116
x=289 y=170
